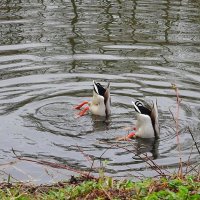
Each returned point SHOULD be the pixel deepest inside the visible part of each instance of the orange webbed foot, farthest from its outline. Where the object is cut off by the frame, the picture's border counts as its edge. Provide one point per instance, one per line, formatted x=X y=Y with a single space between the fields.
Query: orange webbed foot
x=78 y=107
x=80 y=114
x=131 y=135
x=128 y=137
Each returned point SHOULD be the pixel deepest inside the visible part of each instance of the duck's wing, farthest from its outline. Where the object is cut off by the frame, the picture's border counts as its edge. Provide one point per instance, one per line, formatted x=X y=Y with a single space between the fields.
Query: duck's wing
x=154 y=119
x=107 y=93
x=107 y=99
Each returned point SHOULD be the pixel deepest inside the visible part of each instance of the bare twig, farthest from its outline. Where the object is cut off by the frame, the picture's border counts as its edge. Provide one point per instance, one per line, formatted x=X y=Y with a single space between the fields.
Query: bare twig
x=54 y=165
x=149 y=161
x=153 y=165
x=106 y=193
x=188 y=162
x=172 y=115
x=178 y=100
x=88 y=158
x=194 y=140
x=193 y=169
x=84 y=154
x=9 y=175
x=91 y=168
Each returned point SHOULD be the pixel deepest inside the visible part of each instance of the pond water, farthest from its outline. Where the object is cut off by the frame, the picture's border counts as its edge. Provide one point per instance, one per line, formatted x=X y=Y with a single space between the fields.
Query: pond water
x=50 y=52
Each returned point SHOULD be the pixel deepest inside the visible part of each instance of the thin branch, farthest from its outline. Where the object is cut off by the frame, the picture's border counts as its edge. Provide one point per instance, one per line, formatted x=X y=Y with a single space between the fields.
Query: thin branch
x=9 y=175
x=106 y=193
x=54 y=165
x=91 y=168
x=188 y=162
x=178 y=100
x=172 y=115
x=150 y=162
x=84 y=154
x=194 y=140
x=193 y=169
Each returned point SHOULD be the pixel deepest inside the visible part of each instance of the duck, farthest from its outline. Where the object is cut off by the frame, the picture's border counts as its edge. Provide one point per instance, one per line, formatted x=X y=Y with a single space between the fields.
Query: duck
x=101 y=101
x=147 y=124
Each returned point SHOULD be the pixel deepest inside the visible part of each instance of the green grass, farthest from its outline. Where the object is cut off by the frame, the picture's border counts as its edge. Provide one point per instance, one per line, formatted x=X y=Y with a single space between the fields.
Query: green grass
x=107 y=188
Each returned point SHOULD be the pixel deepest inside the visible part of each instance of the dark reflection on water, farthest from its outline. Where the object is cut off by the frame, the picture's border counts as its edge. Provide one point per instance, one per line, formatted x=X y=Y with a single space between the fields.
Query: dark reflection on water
x=50 y=52
x=147 y=145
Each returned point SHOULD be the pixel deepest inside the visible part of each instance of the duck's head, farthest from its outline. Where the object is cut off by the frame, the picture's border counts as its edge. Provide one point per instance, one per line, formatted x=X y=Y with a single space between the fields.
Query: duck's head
x=101 y=97
x=147 y=114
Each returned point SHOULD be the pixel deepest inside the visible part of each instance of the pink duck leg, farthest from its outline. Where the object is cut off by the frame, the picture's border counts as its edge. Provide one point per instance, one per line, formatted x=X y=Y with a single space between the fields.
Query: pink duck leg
x=82 y=112
x=129 y=136
x=78 y=107
x=132 y=134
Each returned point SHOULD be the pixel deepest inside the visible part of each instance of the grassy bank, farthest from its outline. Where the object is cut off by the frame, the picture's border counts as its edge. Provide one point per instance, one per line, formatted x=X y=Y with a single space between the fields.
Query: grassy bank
x=107 y=188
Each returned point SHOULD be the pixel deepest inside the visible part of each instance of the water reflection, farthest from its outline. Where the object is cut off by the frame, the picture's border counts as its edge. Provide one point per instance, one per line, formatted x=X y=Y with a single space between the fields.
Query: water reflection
x=150 y=145
x=101 y=123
